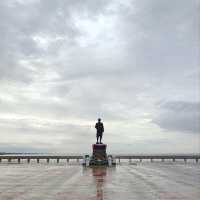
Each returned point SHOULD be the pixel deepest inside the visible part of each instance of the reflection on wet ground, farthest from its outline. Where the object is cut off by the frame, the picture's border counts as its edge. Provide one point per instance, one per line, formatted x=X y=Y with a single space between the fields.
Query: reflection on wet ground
x=99 y=174
x=125 y=182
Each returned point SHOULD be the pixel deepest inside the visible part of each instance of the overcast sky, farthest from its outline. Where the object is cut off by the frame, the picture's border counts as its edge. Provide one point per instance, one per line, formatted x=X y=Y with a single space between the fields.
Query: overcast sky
x=134 y=63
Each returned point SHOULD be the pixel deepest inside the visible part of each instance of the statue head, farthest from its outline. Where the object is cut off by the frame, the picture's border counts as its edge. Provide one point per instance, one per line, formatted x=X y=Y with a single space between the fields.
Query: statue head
x=99 y=119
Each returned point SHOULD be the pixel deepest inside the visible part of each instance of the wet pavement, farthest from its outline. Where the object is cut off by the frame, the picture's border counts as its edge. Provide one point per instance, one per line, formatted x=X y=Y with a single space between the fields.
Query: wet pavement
x=150 y=181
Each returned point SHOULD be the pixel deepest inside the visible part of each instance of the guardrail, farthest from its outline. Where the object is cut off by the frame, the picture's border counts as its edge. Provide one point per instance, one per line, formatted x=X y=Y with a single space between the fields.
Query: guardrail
x=38 y=158
x=161 y=157
x=173 y=157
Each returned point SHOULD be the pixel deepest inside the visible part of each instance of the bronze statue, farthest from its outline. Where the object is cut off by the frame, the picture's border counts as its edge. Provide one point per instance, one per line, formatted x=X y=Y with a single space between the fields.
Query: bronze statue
x=100 y=129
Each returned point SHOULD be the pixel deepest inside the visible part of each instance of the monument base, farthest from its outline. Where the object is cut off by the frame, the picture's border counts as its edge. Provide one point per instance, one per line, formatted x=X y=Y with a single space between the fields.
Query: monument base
x=99 y=156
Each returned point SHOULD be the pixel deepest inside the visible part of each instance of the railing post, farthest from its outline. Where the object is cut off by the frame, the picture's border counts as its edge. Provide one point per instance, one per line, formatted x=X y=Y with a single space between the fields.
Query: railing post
x=67 y=159
x=140 y=160
x=197 y=160
x=119 y=160
x=129 y=160
x=38 y=160
x=162 y=159
x=185 y=160
x=0 y=160
x=57 y=160
x=173 y=159
x=47 y=160
x=151 y=159
x=9 y=160
x=18 y=160
x=28 y=160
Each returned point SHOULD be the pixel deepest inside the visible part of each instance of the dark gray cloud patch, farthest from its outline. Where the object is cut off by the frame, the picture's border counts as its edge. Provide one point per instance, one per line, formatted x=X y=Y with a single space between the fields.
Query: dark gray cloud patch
x=179 y=116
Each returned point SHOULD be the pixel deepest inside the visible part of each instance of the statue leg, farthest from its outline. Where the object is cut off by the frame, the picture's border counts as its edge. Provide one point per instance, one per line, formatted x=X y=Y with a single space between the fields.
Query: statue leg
x=97 y=139
x=100 y=139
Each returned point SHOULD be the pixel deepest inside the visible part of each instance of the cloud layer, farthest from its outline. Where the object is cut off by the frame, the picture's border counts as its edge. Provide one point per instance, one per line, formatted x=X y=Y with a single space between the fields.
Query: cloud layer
x=133 y=63
x=179 y=116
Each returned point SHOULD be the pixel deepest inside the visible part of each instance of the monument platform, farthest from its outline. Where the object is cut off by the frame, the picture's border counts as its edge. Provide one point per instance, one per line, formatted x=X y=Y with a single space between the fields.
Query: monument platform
x=99 y=156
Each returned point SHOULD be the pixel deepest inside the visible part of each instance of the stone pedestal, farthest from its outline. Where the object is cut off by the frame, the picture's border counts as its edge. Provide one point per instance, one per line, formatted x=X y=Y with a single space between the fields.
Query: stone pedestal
x=99 y=156
x=99 y=151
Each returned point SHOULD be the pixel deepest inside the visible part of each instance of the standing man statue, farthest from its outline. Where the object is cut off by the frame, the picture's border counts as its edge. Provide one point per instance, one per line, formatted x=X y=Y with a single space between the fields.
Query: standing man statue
x=100 y=129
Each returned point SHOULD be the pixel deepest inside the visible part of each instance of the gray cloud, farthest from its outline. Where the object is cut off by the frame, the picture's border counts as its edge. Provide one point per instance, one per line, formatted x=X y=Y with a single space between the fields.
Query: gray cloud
x=76 y=61
x=36 y=30
x=179 y=116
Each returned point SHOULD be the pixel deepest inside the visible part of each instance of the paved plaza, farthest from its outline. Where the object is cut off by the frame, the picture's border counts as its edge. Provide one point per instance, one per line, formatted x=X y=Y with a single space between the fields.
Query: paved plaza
x=126 y=181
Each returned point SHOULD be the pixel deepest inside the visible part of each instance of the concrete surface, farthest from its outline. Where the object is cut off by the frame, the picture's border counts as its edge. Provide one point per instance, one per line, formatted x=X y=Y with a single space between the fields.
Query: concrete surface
x=150 y=181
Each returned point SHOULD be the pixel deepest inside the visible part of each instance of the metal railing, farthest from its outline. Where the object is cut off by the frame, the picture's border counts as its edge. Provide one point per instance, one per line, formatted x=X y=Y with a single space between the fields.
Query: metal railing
x=161 y=157
x=38 y=158
x=139 y=157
